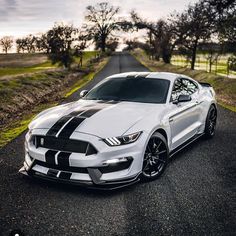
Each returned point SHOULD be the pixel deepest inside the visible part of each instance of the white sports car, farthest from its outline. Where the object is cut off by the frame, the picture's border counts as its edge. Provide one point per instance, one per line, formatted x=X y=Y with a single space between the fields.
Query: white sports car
x=123 y=130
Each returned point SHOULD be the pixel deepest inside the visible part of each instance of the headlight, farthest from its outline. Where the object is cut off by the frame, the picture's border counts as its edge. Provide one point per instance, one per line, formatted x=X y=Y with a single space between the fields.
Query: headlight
x=117 y=141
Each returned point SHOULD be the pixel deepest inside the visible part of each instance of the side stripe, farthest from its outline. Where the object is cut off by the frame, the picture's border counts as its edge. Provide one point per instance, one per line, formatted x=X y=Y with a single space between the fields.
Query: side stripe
x=50 y=157
x=63 y=159
x=70 y=127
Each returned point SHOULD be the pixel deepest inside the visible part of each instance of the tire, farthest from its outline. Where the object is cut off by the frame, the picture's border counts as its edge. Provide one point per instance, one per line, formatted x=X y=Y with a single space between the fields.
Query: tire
x=211 y=119
x=155 y=158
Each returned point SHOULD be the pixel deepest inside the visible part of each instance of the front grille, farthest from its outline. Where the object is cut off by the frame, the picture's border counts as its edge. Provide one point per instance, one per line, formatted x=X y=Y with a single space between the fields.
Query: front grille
x=66 y=145
x=61 y=167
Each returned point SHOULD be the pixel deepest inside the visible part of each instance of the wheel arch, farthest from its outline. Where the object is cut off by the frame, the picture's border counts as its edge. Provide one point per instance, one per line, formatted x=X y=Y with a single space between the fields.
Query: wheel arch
x=163 y=132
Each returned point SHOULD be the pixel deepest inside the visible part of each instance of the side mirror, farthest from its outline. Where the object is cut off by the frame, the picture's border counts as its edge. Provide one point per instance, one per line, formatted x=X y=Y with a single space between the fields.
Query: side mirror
x=182 y=98
x=83 y=93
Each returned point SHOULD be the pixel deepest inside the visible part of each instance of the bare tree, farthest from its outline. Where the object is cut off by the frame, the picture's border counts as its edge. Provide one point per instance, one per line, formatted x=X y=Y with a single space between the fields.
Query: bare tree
x=6 y=42
x=102 y=22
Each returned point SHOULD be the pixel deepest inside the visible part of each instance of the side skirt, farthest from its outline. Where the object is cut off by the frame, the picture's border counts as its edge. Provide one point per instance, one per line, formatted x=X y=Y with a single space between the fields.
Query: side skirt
x=185 y=144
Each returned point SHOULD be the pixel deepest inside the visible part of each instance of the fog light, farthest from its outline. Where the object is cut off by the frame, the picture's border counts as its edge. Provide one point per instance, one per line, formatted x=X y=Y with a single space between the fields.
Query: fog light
x=117 y=160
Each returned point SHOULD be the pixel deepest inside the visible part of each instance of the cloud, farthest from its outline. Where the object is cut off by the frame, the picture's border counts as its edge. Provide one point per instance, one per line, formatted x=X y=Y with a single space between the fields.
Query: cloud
x=19 y=17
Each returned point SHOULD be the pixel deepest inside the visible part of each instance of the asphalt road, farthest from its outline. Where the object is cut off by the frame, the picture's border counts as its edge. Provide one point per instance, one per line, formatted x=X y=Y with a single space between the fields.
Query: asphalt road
x=195 y=196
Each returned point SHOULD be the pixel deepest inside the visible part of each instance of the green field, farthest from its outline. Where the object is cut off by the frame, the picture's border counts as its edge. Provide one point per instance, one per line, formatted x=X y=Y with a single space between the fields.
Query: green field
x=18 y=64
x=203 y=64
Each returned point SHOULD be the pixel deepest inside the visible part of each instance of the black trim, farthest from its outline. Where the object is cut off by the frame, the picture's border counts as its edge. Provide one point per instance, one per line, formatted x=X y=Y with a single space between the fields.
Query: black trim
x=63 y=158
x=185 y=144
x=52 y=173
x=107 y=185
x=65 y=145
x=90 y=150
x=65 y=175
x=50 y=157
x=61 y=168
x=70 y=127
x=205 y=84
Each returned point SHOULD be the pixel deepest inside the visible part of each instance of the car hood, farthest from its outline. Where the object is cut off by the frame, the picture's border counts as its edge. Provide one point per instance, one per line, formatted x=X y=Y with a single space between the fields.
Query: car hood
x=109 y=119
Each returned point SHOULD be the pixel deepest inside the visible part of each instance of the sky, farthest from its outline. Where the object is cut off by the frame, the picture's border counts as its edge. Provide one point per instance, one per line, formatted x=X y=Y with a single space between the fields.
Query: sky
x=22 y=17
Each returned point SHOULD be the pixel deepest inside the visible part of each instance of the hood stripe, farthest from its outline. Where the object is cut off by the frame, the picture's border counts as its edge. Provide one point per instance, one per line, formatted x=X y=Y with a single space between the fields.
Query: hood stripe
x=57 y=126
x=90 y=112
x=61 y=122
x=70 y=127
x=67 y=131
x=65 y=126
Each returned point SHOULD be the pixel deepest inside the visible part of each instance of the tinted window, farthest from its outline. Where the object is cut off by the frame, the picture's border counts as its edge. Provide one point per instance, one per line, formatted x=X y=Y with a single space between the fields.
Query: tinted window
x=131 y=89
x=183 y=86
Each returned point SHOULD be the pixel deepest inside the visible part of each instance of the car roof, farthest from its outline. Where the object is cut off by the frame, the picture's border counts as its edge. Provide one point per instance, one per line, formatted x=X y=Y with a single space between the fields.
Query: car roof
x=154 y=75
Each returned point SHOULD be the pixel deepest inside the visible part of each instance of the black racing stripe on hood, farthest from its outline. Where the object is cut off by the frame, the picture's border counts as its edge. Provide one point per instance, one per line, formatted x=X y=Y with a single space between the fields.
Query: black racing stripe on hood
x=70 y=127
x=90 y=112
x=61 y=122
x=58 y=125
x=78 y=117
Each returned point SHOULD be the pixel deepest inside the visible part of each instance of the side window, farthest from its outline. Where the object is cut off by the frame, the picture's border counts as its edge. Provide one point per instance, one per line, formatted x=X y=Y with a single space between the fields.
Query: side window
x=184 y=87
x=189 y=87
x=177 y=89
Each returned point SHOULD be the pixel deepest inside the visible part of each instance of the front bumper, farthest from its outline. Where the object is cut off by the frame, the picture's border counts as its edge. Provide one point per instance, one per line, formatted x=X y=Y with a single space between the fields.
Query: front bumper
x=89 y=171
x=107 y=185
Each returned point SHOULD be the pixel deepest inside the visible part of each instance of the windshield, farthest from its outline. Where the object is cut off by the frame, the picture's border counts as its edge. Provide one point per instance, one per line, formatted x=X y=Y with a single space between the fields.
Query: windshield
x=145 y=90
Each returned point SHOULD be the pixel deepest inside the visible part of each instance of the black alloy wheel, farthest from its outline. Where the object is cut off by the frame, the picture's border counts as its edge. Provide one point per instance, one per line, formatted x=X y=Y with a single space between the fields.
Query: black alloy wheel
x=155 y=158
x=211 y=122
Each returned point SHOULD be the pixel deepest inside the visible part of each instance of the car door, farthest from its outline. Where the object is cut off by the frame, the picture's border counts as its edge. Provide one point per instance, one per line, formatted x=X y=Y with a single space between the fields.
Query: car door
x=185 y=116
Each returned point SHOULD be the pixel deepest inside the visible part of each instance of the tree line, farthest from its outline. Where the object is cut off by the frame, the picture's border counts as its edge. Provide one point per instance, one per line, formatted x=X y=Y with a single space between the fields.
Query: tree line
x=211 y=21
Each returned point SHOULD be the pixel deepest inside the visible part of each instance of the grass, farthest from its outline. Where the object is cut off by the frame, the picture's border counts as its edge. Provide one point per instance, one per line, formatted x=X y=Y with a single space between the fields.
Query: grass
x=203 y=64
x=14 y=68
x=8 y=71
x=225 y=88
x=16 y=128
x=10 y=132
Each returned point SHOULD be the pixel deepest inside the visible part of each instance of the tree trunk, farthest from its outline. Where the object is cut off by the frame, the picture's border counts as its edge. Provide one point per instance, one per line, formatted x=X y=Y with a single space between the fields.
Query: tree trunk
x=193 y=58
x=103 y=43
x=166 y=56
